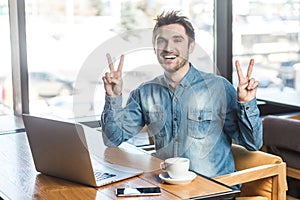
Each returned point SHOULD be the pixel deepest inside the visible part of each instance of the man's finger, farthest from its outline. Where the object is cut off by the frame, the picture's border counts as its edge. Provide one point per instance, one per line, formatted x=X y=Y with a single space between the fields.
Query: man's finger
x=252 y=84
x=239 y=70
x=250 y=68
x=109 y=76
x=104 y=80
x=120 y=67
x=110 y=62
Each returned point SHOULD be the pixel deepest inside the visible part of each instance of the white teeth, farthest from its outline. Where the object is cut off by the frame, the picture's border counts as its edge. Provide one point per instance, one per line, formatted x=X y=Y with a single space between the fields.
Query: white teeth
x=170 y=57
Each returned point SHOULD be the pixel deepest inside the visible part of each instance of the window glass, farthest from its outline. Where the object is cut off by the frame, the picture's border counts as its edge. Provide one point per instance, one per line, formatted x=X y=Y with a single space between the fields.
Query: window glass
x=6 y=100
x=268 y=31
x=65 y=38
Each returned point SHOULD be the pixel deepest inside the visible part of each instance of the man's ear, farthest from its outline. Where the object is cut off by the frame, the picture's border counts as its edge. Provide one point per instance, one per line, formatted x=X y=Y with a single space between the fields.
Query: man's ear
x=154 y=50
x=192 y=46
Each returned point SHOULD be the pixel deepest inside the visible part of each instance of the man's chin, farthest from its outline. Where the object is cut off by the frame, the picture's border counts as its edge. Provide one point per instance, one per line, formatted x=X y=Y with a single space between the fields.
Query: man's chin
x=170 y=68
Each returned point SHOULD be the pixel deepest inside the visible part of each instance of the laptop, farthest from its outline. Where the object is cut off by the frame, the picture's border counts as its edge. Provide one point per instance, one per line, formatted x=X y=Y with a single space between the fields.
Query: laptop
x=71 y=151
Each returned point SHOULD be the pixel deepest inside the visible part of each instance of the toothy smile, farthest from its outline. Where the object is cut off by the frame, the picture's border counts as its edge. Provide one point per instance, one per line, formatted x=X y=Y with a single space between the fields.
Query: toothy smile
x=170 y=57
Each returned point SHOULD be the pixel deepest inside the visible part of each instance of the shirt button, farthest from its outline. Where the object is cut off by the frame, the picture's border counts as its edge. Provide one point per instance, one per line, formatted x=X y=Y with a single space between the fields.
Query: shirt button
x=247 y=108
x=113 y=103
x=176 y=140
x=175 y=119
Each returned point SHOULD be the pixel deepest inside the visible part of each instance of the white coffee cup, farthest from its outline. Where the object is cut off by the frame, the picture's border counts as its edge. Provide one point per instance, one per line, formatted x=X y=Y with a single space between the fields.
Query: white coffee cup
x=177 y=168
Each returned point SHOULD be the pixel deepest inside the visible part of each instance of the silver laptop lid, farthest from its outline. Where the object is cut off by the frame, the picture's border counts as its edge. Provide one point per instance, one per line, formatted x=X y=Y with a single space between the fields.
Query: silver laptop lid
x=60 y=149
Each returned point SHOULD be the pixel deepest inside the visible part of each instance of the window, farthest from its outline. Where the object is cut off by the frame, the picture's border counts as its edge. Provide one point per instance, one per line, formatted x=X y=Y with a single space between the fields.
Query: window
x=67 y=42
x=63 y=37
x=6 y=100
x=268 y=31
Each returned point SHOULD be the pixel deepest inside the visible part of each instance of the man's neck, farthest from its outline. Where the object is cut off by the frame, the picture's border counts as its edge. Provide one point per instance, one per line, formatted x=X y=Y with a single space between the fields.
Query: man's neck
x=176 y=77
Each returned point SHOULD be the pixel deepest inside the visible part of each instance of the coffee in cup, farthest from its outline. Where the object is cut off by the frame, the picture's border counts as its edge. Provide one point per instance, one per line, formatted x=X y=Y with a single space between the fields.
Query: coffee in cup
x=177 y=168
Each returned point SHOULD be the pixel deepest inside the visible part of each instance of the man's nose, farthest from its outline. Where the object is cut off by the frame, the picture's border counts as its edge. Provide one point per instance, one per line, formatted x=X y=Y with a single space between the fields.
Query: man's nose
x=169 y=46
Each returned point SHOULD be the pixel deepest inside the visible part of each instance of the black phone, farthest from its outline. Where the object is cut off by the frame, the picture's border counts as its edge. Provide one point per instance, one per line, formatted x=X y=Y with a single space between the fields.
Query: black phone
x=139 y=191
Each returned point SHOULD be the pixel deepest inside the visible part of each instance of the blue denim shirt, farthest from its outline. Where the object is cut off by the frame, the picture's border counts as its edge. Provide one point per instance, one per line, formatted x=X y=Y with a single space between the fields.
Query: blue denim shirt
x=198 y=120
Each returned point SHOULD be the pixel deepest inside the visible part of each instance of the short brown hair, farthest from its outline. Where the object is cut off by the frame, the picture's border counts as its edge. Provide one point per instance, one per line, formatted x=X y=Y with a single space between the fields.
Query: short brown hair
x=173 y=17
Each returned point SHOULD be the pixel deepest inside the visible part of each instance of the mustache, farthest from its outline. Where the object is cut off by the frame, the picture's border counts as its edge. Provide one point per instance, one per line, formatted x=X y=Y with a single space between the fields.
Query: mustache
x=166 y=52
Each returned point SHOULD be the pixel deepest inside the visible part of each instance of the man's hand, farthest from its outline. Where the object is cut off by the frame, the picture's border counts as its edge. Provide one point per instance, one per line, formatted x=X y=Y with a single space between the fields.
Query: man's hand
x=113 y=80
x=247 y=86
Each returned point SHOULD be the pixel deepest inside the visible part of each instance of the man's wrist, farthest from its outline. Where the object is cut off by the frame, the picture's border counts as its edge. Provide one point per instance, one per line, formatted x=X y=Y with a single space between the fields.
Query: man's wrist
x=114 y=95
x=114 y=102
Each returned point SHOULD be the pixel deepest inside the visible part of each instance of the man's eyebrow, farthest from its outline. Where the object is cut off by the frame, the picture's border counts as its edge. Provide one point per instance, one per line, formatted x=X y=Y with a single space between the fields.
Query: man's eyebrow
x=174 y=37
x=178 y=37
x=160 y=37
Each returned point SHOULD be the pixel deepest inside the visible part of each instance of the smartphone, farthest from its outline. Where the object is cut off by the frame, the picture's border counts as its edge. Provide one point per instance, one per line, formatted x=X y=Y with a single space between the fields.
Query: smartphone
x=139 y=191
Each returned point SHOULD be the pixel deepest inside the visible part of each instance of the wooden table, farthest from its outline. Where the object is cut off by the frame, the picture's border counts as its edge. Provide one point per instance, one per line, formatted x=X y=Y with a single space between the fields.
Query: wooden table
x=20 y=180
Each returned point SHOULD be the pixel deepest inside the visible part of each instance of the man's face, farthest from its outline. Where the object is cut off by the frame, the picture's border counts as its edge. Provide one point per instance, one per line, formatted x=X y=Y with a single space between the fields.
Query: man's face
x=172 y=47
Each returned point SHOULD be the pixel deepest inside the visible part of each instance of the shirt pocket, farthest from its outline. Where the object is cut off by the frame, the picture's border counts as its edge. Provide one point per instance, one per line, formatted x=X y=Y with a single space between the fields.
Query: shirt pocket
x=199 y=122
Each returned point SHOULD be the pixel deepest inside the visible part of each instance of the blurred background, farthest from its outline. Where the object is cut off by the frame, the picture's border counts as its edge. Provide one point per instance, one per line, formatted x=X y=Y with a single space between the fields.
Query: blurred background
x=61 y=34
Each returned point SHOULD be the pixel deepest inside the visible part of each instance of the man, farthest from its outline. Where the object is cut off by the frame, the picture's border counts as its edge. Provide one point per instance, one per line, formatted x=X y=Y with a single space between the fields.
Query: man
x=189 y=113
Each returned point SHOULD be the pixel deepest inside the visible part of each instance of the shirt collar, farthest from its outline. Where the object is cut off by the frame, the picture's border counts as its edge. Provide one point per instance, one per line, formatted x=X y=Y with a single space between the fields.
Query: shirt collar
x=187 y=79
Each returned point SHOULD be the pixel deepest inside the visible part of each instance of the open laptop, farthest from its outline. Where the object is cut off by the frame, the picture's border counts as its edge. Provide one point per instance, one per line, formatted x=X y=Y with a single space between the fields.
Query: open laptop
x=68 y=150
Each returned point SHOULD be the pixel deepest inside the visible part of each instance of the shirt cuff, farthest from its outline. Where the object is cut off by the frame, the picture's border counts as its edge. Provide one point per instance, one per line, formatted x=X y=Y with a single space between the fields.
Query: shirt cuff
x=114 y=102
x=250 y=108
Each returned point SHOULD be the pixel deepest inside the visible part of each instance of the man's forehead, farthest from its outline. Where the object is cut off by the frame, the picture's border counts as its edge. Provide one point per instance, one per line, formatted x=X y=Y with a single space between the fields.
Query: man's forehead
x=172 y=30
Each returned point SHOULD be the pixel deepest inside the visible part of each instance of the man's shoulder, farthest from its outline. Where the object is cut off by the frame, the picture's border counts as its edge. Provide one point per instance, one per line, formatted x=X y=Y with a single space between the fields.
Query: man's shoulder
x=211 y=79
x=206 y=75
x=158 y=80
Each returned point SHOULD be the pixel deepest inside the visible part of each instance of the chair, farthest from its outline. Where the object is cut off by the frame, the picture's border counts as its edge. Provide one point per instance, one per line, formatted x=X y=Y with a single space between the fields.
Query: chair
x=262 y=175
x=282 y=138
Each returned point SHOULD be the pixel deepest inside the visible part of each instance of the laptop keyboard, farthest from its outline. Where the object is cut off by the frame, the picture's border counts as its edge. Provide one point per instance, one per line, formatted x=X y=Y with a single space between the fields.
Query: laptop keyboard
x=103 y=175
x=92 y=124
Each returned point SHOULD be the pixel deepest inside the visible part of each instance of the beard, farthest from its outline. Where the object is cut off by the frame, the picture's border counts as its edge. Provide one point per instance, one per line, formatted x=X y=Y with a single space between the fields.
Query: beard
x=178 y=65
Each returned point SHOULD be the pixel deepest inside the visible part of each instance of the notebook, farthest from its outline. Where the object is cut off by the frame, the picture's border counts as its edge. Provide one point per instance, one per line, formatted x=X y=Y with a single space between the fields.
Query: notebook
x=68 y=150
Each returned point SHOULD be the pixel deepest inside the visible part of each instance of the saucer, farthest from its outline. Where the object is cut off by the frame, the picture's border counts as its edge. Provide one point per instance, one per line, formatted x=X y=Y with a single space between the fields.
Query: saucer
x=166 y=178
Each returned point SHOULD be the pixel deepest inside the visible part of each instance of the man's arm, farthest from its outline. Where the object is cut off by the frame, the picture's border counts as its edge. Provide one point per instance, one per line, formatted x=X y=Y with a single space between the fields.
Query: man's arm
x=247 y=130
x=120 y=124
x=250 y=125
x=243 y=123
x=113 y=82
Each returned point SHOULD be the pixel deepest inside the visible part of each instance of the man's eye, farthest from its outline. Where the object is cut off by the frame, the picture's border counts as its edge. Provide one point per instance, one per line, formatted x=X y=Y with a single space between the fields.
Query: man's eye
x=178 y=40
x=160 y=41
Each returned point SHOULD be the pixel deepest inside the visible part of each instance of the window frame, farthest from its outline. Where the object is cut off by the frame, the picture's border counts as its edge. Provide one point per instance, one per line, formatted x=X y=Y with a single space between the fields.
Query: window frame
x=223 y=38
x=19 y=57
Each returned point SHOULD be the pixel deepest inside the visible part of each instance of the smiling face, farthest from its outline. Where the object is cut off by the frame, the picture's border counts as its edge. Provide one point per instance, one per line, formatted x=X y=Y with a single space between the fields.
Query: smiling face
x=172 y=47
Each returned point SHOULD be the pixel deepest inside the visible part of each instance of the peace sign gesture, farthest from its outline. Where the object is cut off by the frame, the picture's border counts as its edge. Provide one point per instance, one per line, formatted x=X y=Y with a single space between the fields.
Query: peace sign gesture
x=247 y=86
x=113 y=80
